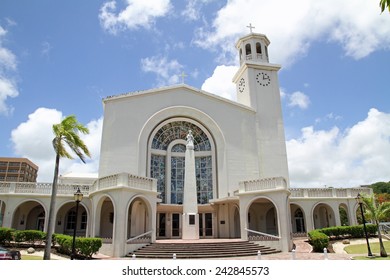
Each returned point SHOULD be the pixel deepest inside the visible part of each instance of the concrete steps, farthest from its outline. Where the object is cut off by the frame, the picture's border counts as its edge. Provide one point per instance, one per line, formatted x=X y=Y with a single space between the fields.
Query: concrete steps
x=202 y=250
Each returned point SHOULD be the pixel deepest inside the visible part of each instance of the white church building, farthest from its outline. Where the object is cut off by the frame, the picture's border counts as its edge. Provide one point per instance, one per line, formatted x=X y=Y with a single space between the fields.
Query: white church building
x=181 y=163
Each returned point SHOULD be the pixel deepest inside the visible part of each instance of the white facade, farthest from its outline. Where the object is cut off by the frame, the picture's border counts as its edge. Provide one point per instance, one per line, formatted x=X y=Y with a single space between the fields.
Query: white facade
x=241 y=172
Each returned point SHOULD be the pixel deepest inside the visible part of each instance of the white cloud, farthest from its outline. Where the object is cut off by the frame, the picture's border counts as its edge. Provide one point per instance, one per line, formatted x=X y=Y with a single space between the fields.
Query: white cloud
x=33 y=139
x=136 y=14
x=355 y=24
x=193 y=8
x=8 y=86
x=167 y=71
x=298 y=99
x=330 y=116
x=359 y=155
x=218 y=83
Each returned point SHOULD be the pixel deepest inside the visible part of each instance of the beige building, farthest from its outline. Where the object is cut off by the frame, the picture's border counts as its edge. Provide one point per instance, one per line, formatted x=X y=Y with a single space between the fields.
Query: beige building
x=240 y=180
x=17 y=170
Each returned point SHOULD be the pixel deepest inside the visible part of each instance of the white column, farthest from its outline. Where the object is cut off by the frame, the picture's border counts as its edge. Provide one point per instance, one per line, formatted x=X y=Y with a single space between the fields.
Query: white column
x=190 y=229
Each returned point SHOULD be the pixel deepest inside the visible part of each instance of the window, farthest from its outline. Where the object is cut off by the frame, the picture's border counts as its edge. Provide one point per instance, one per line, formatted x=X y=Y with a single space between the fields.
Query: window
x=258 y=50
x=167 y=161
x=84 y=220
x=71 y=220
x=177 y=179
x=248 y=49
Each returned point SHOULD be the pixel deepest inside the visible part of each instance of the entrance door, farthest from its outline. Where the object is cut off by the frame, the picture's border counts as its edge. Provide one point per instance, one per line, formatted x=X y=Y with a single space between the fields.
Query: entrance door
x=161 y=225
x=41 y=222
x=206 y=225
x=300 y=225
x=176 y=225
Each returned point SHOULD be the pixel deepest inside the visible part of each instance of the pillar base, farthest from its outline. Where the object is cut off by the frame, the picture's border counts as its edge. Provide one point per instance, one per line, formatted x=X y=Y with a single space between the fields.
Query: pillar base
x=190 y=229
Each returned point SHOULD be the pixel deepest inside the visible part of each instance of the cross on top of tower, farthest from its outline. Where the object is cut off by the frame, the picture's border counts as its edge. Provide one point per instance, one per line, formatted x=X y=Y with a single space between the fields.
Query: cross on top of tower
x=183 y=75
x=250 y=26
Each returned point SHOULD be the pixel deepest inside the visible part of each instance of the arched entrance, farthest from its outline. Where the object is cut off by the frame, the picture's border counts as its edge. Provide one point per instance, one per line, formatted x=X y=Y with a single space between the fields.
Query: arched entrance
x=323 y=216
x=138 y=218
x=29 y=215
x=343 y=211
x=297 y=219
x=66 y=219
x=262 y=217
x=106 y=218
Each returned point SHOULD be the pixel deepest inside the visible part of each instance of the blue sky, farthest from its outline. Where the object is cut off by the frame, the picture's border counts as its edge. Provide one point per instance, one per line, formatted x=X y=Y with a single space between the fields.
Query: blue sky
x=62 y=57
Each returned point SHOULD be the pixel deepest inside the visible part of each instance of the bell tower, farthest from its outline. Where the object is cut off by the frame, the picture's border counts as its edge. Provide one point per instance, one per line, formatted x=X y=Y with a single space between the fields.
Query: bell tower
x=258 y=87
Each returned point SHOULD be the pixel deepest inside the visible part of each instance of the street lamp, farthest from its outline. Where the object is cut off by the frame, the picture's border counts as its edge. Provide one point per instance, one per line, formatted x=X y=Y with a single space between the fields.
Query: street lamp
x=359 y=200
x=78 y=196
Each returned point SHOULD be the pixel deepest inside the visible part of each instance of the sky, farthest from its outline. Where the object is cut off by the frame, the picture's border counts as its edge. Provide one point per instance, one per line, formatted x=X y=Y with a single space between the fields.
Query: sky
x=59 y=58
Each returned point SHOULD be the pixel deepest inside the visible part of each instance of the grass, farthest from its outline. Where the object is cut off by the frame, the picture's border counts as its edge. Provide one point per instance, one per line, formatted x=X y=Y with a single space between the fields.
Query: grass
x=362 y=249
x=31 y=257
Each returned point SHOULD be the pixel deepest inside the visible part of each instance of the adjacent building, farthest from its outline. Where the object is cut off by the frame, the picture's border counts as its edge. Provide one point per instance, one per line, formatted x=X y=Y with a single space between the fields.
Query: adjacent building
x=17 y=170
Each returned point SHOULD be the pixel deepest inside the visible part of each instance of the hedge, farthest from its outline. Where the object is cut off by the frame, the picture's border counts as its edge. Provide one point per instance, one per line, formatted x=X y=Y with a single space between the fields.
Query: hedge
x=341 y=232
x=319 y=238
x=6 y=235
x=85 y=246
x=29 y=236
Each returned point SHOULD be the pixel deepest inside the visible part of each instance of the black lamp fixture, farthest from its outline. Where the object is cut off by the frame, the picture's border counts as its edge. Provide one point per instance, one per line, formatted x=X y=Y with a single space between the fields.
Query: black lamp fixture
x=78 y=196
x=359 y=199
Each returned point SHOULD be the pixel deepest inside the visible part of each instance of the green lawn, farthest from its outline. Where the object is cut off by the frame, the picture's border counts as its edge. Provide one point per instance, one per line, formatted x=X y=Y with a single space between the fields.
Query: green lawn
x=31 y=257
x=362 y=249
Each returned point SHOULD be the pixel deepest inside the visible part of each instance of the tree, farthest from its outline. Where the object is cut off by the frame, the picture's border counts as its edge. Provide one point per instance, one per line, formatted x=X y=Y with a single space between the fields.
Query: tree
x=376 y=212
x=381 y=187
x=384 y=4
x=66 y=133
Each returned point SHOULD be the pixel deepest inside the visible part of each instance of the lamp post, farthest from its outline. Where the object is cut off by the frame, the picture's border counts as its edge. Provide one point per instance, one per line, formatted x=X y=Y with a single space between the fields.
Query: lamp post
x=359 y=200
x=78 y=196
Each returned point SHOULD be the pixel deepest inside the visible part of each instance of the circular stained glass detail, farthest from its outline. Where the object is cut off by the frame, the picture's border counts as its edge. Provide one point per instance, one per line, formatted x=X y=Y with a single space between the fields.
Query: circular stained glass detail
x=179 y=130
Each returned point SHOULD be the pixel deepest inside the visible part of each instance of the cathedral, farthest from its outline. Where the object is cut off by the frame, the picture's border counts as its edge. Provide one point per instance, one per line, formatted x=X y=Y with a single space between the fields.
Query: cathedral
x=181 y=163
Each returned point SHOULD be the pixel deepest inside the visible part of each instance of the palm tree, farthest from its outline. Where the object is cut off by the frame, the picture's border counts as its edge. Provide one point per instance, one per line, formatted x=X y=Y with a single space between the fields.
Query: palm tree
x=384 y=4
x=377 y=212
x=66 y=134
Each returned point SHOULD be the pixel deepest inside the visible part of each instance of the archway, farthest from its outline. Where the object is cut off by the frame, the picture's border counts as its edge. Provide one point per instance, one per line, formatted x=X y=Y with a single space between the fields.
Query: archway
x=323 y=216
x=138 y=218
x=106 y=218
x=297 y=219
x=344 y=215
x=262 y=217
x=29 y=215
x=66 y=218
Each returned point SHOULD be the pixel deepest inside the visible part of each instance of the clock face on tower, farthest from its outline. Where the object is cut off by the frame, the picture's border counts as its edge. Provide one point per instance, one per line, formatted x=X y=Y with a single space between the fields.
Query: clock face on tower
x=241 y=85
x=263 y=79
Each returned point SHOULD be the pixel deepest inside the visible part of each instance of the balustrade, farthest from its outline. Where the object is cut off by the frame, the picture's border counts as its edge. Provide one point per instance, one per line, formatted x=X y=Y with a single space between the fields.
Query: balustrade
x=263 y=184
x=328 y=192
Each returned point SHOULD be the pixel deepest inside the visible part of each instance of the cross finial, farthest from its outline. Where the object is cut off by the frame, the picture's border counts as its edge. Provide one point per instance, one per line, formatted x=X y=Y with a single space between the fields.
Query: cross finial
x=183 y=75
x=250 y=26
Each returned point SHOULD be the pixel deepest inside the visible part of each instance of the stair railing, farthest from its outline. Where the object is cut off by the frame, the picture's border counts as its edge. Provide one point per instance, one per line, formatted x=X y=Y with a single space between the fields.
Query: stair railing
x=142 y=238
x=261 y=235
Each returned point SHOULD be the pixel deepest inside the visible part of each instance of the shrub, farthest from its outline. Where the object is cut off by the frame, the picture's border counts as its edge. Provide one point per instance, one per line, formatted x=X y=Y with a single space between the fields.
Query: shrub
x=84 y=246
x=64 y=242
x=341 y=232
x=318 y=240
x=88 y=246
x=6 y=235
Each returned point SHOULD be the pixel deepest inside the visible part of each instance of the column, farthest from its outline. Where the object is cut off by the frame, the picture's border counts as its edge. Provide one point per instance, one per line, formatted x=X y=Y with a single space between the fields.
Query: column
x=190 y=229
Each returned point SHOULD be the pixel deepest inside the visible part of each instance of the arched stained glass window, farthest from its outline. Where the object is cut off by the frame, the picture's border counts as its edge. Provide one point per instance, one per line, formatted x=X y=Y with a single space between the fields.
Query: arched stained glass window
x=179 y=130
x=167 y=161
